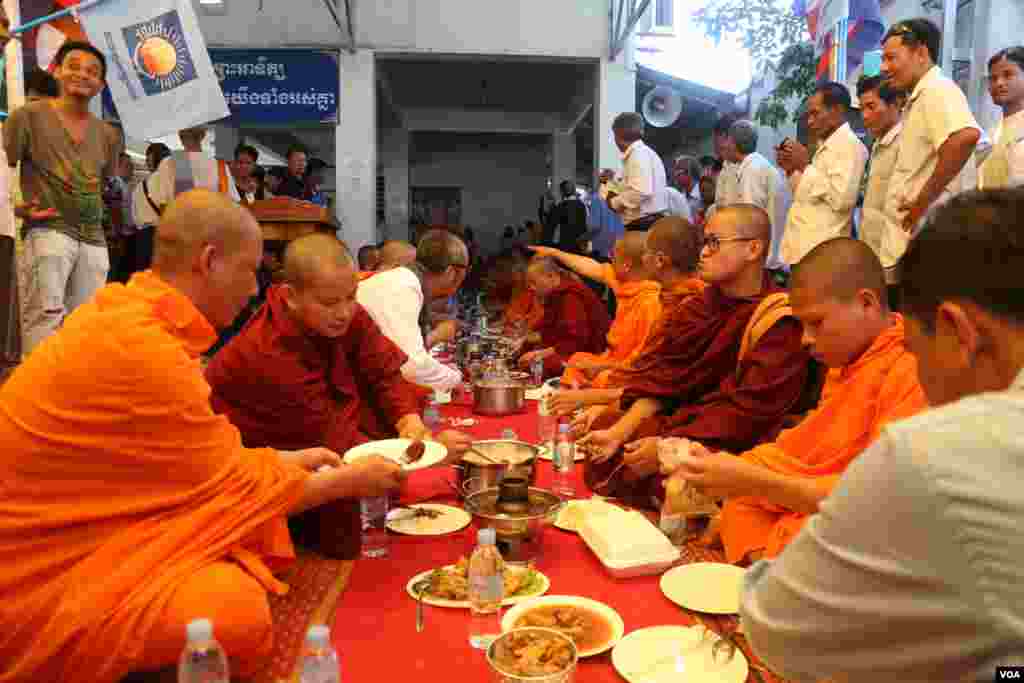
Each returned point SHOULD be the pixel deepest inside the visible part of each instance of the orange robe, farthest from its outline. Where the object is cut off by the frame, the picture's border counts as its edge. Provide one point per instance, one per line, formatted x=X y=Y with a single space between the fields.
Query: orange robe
x=128 y=508
x=639 y=309
x=524 y=307
x=856 y=403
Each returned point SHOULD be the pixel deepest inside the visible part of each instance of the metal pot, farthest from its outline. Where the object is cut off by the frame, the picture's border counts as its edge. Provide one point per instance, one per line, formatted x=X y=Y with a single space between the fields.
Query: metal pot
x=503 y=396
x=501 y=642
x=474 y=473
x=519 y=527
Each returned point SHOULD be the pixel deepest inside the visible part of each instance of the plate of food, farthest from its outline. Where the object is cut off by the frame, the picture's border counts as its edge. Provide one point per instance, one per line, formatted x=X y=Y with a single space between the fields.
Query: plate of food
x=399 y=450
x=594 y=626
x=709 y=587
x=665 y=654
x=449 y=585
x=571 y=515
x=428 y=519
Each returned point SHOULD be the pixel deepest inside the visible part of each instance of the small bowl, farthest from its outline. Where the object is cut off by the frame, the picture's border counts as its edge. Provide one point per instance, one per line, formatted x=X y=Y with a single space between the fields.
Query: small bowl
x=502 y=676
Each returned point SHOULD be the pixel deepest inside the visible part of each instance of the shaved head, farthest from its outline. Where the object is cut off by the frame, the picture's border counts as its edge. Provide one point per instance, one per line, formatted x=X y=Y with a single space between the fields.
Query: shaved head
x=317 y=253
x=634 y=244
x=678 y=239
x=748 y=221
x=197 y=219
x=395 y=253
x=840 y=268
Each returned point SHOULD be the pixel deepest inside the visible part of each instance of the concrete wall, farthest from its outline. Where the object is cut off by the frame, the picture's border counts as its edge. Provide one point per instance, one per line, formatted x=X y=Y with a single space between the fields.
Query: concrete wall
x=501 y=176
x=356 y=150
x=393 y=160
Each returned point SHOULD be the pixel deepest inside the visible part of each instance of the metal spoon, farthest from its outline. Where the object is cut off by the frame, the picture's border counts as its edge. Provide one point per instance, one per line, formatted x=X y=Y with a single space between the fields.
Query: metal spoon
x=420 y=587
x=486 y=457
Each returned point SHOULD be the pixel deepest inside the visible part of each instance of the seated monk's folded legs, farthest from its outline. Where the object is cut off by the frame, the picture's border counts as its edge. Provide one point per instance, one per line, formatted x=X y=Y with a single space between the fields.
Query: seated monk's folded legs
x=237 y=605
x=609 y=479
x=747 y=528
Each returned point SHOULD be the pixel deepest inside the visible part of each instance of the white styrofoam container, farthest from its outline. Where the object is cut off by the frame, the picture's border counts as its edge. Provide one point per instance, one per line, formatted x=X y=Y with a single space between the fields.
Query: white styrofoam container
x=640 y=566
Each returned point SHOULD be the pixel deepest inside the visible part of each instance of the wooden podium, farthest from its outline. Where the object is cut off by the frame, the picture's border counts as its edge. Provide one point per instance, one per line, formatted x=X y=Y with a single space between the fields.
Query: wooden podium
x=284 y=219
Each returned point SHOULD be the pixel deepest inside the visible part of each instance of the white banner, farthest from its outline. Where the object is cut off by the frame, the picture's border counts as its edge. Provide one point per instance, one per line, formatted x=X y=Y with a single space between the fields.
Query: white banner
x=158 y=69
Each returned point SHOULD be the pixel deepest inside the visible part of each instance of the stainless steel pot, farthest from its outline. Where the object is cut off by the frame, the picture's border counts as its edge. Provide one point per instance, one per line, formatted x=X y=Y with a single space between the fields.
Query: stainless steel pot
x=503 y=396
x=500 y=645
x=474 y=473
x=520 y=529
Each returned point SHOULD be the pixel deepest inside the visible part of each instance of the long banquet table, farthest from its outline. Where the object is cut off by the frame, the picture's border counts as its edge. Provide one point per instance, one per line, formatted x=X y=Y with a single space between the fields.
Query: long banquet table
x=374 y=628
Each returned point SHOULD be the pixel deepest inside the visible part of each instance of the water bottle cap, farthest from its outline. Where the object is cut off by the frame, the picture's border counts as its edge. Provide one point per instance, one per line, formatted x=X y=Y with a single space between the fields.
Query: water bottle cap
x=486 y=537
x=199 y=630
x=563 y=428
x=318 y=636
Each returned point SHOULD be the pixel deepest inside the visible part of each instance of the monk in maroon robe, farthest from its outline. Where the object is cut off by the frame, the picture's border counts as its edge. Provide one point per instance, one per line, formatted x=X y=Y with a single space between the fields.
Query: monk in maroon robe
x=714 y=373
x=312 y=368
x=574 y=318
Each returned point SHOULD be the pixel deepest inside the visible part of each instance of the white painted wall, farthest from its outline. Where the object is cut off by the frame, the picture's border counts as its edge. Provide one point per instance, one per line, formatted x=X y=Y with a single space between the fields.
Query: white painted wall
x=501 y=176
x=393 y=160
x=356 y=149
x=616 y=93
x=480 y=120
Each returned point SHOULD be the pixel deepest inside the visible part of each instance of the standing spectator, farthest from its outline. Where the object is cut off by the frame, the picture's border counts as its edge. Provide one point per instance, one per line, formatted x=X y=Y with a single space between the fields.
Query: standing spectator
x=118 y=198
x=825 y=188
x=724 y=172
x=759 y=183
x=880 y=224
x=1004 y=166
x=66 y=152
x=294 y=182
x=246 y=157
x=707 y=197
x=275 y=176
x=642 y=201
x=567 y=221
x=145 y=211
x=939 y=131
x=686 y=174
x=187 y=169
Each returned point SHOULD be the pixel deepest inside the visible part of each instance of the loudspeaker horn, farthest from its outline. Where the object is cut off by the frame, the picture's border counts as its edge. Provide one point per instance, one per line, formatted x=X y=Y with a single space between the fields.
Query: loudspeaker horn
x=661 y=107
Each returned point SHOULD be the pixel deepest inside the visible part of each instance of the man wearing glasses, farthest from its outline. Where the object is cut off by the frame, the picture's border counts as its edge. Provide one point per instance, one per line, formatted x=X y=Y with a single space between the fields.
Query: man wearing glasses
x=398 y=300
x=939 y=131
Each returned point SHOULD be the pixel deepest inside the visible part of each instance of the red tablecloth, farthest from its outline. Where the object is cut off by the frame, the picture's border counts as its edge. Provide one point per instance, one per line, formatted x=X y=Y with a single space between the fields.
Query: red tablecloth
x=375 y=624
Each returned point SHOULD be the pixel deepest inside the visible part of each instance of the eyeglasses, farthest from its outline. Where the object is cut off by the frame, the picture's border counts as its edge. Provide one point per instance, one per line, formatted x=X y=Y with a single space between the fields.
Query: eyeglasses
x=713 y=242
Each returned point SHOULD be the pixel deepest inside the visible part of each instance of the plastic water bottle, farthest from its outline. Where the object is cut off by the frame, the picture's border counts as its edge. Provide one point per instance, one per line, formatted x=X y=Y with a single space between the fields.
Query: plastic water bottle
x=319 y=663
x=432 y=415
x=547 y=425
x=203 y=659
x=486 y=590
x=564 y=460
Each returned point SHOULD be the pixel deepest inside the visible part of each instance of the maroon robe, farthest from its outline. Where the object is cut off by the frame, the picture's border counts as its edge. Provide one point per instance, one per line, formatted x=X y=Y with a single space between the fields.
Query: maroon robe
x=575 y=319
x=693 y=365
x=288 y=390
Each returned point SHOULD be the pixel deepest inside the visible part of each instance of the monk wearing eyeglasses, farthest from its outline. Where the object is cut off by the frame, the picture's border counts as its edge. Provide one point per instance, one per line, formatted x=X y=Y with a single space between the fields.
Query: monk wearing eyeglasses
x=724 y=368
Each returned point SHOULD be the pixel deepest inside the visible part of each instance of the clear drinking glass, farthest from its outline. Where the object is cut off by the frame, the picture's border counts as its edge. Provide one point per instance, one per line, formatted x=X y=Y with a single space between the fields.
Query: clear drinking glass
x=374 y=513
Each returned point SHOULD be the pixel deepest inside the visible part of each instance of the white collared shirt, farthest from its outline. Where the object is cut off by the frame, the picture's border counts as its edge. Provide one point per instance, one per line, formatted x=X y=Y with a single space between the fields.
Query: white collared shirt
x=1004 y=166
x=727 y=185
x=911 y=569
x=761 y=184
x=935 y=110
x=881 y=226
x=825 y=194
x=677 y=204
x=178 y=173
x=394 y=300
x=643 y=174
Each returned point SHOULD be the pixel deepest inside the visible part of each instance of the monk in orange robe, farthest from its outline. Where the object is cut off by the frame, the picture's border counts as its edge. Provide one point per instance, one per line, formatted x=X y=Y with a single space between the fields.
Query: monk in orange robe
x=706 y=375
x=639 y=308
x=312 y=368
x=574 y=318
x=839 y=292
x=130 y=508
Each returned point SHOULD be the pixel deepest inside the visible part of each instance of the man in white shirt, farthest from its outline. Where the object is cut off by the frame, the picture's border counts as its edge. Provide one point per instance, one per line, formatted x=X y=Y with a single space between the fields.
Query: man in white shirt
x=188 y=169
x=677 y=204
x=1004 y=166
x=399 y=300
x=642 y=200
x=911 y=570
x=758 y=182
x=825 y=188
x=684 y=188
x=939 y=132
x=727 y=189
x=880 y=226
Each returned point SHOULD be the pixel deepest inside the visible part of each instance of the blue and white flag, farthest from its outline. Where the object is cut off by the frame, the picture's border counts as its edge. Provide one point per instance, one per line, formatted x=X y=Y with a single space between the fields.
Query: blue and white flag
x=159 y=72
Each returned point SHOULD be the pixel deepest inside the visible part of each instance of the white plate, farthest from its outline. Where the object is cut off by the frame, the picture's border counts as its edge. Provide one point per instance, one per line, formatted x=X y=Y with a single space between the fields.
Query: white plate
x=508 y=622
x=545 y=454
x=572 y=512
x=451 y=520
x=394 y=449
x=709 y=587
x=507 y=602
x=668 y=654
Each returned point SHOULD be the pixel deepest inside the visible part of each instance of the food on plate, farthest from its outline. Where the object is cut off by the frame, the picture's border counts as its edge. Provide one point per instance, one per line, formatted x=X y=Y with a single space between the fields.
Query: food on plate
x=587 y=628
x=452 y=583
x=415 y=451
x=532 y=654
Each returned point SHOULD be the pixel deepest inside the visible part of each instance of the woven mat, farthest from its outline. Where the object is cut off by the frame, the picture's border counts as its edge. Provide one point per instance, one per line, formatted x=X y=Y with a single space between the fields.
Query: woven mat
x=316 y=586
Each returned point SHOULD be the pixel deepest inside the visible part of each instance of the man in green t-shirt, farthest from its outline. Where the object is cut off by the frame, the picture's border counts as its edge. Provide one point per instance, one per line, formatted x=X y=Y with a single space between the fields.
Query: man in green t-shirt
x=65 y=154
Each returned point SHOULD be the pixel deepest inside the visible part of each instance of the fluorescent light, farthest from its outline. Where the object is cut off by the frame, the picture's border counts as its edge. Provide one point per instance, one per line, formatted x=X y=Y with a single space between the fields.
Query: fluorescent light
x=214 y=3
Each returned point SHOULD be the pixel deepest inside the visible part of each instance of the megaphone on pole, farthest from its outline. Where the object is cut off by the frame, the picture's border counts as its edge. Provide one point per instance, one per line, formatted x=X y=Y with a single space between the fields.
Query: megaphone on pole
x=661 y=107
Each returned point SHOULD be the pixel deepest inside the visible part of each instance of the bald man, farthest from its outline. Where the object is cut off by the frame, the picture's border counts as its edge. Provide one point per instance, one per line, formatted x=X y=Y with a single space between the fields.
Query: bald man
x=395 y=254
x=839 y=293
x=130 y=506
x=369 y=258
x=639 y=308
x=312 y=369
x=574 y=319
x=725 y=368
